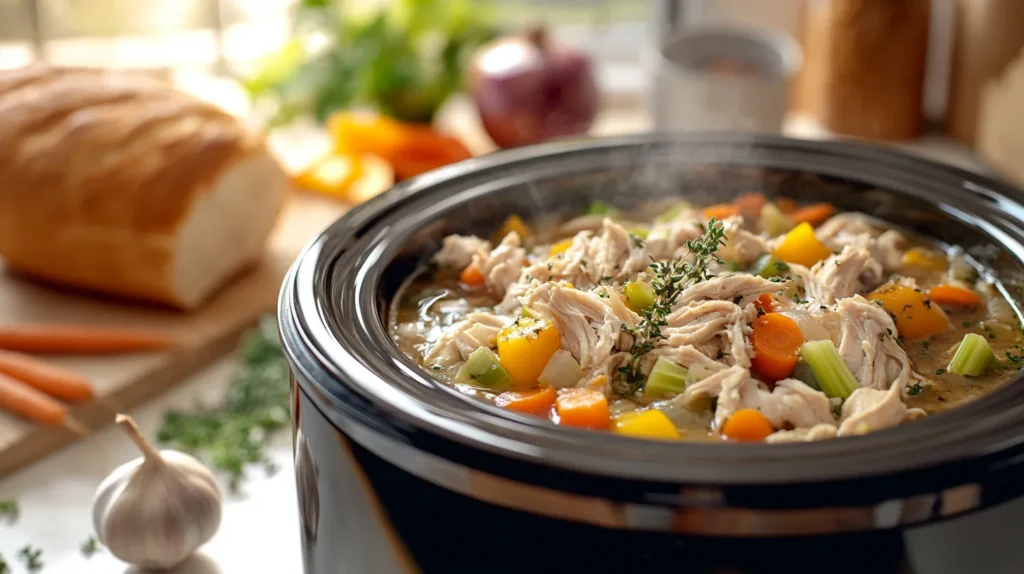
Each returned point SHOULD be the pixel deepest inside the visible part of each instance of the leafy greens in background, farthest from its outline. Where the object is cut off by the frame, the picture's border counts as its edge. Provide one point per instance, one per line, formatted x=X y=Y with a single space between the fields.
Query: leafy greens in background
x=404 y=60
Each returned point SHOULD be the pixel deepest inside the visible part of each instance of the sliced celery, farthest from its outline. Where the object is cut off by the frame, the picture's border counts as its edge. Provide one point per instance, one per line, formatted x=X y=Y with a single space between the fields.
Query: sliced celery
x=483 y=368
x=562 y=371
x=973 y=357
x=602 y=208
x=773 y=221
x=804 y=372
x=639 y=295
x=769 y=267
x=832 y=374
x=666 y=378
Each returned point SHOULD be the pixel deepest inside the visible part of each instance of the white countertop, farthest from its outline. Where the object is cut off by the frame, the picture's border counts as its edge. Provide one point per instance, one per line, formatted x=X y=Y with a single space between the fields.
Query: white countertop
x=259 y=531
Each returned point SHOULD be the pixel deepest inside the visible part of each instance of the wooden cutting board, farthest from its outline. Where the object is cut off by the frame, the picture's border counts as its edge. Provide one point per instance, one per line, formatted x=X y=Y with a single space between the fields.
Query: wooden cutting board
x=124 y=381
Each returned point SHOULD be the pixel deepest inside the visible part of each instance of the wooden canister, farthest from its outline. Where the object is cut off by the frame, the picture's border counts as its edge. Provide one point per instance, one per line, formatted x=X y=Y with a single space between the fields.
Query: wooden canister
x=864 y=66
x=988 y=35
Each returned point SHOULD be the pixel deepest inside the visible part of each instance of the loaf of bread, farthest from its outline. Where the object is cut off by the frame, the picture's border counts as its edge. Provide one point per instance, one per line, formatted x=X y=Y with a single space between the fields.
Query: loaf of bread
x=117 y=183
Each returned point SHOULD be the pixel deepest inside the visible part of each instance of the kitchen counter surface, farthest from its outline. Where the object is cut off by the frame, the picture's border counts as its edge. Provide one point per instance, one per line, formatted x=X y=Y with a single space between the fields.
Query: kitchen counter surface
x=259 y=531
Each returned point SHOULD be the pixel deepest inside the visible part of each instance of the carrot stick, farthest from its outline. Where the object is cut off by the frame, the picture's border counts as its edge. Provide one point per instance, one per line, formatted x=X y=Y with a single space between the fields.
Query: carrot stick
x=536 y=401
x=815 y=214
x=776 y=340
x=45 y=377
x=747 y=425
x=24 y=401
x=954 y=295
x=79 y=339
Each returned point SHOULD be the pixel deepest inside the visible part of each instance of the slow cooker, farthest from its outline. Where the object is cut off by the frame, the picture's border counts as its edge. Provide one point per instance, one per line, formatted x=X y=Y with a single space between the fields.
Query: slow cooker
x=397 y=473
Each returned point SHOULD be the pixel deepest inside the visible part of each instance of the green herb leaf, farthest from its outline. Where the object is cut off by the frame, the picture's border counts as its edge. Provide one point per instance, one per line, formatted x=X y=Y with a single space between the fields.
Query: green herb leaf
x=234 y=435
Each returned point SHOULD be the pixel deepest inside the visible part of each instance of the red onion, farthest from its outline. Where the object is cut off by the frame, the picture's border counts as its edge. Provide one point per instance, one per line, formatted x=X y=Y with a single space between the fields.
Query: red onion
x=528 y=89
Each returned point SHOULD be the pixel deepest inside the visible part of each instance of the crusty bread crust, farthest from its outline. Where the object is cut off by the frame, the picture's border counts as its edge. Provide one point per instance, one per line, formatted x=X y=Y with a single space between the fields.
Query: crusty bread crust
x=98 y=170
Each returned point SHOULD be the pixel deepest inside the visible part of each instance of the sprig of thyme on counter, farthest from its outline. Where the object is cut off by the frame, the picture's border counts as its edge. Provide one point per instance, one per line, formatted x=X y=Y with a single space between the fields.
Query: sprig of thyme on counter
x=234 y=435
x=671 y=278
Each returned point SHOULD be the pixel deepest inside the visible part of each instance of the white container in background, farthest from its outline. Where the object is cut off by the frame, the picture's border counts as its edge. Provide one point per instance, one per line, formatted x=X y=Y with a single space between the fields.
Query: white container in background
x=723 y=78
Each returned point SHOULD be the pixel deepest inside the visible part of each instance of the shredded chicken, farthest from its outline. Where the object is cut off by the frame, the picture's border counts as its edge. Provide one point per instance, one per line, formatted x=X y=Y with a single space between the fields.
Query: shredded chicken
x=852 y=271
x=457 y=251
x=590 y=326
x=741 y=245
x=819 y=431
x=458 y=341
x=790 y=403
x=868 y=346
x=716 y=328
x=868 y=410
x=858 y=230
x=740 y=289
x=502 y=266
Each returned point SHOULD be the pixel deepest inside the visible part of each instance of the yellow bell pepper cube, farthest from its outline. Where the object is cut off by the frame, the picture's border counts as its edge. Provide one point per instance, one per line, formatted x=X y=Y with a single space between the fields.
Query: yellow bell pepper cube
x=801 y=246
x=513 y=223
x=646 y=424
x=525 y=347
x=925 y=259
x=560 y=247
x=915 y=315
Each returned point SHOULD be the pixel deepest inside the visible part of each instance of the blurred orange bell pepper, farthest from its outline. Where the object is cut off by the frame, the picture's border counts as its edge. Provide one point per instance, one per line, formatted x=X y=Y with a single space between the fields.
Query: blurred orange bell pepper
x=411 y=149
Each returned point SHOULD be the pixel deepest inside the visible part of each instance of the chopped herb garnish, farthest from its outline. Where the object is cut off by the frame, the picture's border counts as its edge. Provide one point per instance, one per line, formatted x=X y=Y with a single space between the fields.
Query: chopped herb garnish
x=90 y=546
x=928 y=303
x=670 y=279
x=823 y=307
x=583 y=262
x=32 y=557
x=888 y=330
x=736 y=300
x=775 y=279
x=436 y=367
x=914 y=389
x=9 y=510
x=1016 y=360
x=549 y=266
x=603 y=294
x=638 y=241
x=605 y=279
x=940 y=371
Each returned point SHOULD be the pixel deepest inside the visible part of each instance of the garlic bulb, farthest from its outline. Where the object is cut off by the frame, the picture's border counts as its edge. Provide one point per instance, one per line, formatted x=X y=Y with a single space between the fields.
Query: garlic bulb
x=155 y=511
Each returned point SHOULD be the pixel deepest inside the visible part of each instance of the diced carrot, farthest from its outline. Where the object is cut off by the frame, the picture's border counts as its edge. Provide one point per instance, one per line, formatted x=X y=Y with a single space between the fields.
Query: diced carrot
x=472 y=277
x=80 y=339
x=776 y=340
x=45 y=377
x=24 y=401
x=915 y=315
x=583 y=408
x=954 y=296
x=815 y=214
x=750 y=204
x=537 y=401
x=766 y=303
x=747 y=425
x=721 y=211
x=786 y=205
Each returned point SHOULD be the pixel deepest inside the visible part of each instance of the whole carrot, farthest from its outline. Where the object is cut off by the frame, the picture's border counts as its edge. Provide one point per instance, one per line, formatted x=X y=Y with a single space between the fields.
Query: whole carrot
x=22 y=400
x=79 y=339
x=50 y=379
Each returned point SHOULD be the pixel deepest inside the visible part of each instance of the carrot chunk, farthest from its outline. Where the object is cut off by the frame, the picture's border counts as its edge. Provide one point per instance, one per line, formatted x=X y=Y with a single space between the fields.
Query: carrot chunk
x=721 y=211
x=79 y=339
x=776 y=340
x=954 y=296
x=472 y=277
x=815 y=214
x=537 y=401
x=766 y=303
x=747 y=425
x=750 y=204
x=584 y=408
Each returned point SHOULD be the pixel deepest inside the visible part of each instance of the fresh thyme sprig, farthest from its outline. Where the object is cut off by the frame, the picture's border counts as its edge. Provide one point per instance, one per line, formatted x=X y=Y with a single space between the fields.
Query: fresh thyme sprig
x=9 y=510
x=670 y=279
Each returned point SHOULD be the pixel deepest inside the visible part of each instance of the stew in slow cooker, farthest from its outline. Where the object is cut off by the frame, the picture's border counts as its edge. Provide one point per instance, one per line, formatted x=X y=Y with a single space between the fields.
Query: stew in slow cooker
x=749 y=321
